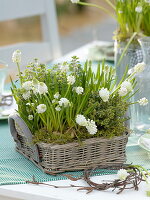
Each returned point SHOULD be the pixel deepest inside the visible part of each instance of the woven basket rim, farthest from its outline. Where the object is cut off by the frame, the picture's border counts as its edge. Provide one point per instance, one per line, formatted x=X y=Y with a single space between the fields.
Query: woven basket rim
x=85 y=142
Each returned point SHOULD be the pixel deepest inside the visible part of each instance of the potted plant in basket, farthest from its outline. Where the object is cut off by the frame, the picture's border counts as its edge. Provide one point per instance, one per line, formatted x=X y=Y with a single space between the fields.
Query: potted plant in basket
x=70 y=117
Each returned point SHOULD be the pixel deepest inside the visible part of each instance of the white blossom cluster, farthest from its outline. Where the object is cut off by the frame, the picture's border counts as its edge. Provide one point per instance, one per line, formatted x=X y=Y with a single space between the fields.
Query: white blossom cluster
x=125 y=87
x=39 y=87
x=122 y=174
x=89 y=124
x=104 y=94
x=78 y=90
x=16 y=56
x=143 y=101
x=41 y=108
x=75 y=1
x=64 y=102
x=71 y=79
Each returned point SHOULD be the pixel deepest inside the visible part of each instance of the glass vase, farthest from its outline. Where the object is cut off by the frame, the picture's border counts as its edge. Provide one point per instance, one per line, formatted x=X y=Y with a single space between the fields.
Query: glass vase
x=140 y=115
x=132 y=56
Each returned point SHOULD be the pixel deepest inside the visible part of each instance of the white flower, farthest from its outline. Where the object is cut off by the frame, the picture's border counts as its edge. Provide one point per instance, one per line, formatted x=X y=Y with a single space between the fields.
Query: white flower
x=42 y=88
x=130 y=71
x=81 y=120
x=71 y=79
x=54 y=101
x=26 y=95
x=75 y=1
x=58 y=108
x=91 y=127
x=143 y=101
x=30 y=117
x=32 y=104
x=64 y=102
x=122 y=174
x=104 y=94
x=122 y=91
x=127 y=85
x=138 y=9
x=16 y=56
x=138 y=68
x=27 y=104
x=27 y=85
x=56 y=96
x=79 y=90
x=41 y=108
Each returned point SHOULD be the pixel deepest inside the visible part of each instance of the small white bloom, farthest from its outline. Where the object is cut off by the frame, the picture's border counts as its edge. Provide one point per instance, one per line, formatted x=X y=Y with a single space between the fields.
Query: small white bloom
x=56 y=96
x=71 y=79
x=30 y=117
x=81 y=120
x=138 y=9
x=64 y=102
x=27 y=104
x=16 y=56
x=127 y=85
x=143 y=101
x=75 y=1
x=123 y=91
x=27 y=85
x=138 y=68
x=26 y=95
x=91 y=127
x=42 y=88
x=79 y=90
x=32 y=104
x=41 y=108
x=130 y=71
x=104 y=94
x=58 y=108
x=54 y=101
x=122 y=174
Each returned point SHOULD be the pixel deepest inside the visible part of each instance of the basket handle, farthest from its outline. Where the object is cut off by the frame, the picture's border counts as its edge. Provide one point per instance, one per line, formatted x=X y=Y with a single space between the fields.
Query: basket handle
x=25 y=132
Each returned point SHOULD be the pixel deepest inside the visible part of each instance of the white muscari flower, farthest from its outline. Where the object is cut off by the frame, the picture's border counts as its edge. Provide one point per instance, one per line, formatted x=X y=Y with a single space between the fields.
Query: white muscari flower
x=138 y=68
x=42 y=88
x=127 y=85
x=122 y=174
x=130 y=71
x=54 y=101
x=32 y=104
x=27 y=85
x=30 y=117
x=26 y=95
x=104 y=94
x=143 y=101
x=64 y=102
x=41 y=108
x=16 y=56
x=91 y=127
x=56 y=96
x=71 y=79
x=75 y=1
x=138 y=9
x=81 y=120
x=58 y=108
x=79 y=90
x=27 y=104
x=122 y=91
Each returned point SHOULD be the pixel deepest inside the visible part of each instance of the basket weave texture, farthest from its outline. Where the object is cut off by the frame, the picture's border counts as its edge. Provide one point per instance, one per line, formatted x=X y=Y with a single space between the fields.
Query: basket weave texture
x=68 y=157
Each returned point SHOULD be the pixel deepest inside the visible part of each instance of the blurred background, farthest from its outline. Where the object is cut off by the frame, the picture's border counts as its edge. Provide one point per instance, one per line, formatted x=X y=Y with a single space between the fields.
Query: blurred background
x=77 y=25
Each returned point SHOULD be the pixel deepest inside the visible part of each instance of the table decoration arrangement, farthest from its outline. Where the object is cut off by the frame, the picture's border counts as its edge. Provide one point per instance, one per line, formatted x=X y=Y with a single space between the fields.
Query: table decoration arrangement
x=69 y=117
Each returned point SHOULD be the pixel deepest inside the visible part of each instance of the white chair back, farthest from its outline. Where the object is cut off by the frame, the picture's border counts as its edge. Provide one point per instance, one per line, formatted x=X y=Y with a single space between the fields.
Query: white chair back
x=46 y=50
